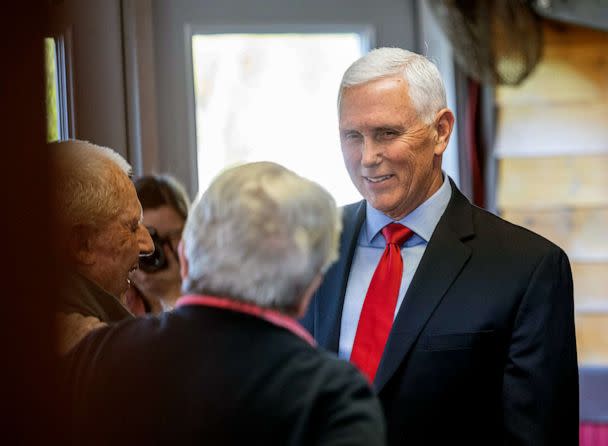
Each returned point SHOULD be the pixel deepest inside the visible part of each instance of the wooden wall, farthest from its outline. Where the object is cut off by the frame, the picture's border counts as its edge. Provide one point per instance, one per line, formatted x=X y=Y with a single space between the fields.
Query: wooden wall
x=552 y=148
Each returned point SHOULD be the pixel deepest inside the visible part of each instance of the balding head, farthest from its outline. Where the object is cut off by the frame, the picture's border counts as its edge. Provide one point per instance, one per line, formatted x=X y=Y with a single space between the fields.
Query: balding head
x=99 y=213
x=89 y=180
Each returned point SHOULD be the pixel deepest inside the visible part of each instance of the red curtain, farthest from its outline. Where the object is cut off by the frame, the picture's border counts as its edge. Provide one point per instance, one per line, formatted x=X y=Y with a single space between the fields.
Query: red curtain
x=593 y=434
x=474 y=150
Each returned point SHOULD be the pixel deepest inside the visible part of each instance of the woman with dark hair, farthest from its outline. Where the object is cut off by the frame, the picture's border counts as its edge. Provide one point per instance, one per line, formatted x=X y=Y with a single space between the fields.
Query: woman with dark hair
x=156 y=285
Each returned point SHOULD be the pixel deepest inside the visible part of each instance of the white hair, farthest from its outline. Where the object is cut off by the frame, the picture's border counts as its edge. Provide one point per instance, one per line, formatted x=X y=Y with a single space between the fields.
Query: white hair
x=88 y=182
x=425 y=86
x=260 y=234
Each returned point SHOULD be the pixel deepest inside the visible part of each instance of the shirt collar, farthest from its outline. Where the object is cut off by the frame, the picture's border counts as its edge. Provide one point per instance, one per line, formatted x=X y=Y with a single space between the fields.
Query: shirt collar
x=78 y=294
x=274 y=317
x=422 y=220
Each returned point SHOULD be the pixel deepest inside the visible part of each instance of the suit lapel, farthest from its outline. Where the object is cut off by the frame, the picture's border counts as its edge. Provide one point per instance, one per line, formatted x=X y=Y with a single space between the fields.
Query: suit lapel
x=329 y=300
x=444 y=258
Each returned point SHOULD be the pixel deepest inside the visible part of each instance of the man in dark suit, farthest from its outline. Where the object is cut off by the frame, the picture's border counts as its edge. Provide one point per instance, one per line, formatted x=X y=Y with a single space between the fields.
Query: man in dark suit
x=230 y=365
x=462 y=321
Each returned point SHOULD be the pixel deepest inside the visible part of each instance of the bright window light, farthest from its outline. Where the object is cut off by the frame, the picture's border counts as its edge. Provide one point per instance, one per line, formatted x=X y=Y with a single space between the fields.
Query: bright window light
x=51 y=87
x=272 y=97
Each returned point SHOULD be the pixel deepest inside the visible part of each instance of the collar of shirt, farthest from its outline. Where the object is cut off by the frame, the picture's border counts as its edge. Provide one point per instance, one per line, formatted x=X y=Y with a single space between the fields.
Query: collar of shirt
x=422 y=220
x=274 y=317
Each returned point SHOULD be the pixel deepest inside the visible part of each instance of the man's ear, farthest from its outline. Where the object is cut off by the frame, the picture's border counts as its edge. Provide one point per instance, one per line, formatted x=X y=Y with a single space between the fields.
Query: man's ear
x=310 y=291
x=183 y=261
x=444 y=124
x=80 y=245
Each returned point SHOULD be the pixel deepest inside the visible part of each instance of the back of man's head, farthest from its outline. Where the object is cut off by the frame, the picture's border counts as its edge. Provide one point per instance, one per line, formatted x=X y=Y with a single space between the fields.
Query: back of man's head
x=425 y=86
x=260 y=234
x=88 y=181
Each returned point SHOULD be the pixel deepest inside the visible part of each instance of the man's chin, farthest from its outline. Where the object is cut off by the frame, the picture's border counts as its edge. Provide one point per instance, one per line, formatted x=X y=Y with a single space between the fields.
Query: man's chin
x=381 y=203
x=390 y=209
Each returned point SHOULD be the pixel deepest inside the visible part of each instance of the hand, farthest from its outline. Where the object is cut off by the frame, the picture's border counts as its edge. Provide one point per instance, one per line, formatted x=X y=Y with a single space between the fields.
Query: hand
x=161 y=287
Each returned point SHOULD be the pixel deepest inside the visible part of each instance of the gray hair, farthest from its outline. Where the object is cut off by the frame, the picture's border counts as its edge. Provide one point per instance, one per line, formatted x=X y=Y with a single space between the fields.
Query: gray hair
x=425 y=86
x=88 y=182
x=260 y=234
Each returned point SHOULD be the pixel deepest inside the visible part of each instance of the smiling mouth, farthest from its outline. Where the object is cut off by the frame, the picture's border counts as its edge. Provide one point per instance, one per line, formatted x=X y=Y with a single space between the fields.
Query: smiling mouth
x=377 y=179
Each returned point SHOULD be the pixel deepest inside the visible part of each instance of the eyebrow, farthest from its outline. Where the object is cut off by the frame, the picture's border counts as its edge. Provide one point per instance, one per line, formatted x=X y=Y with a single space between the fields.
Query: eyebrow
x=399 y=128
x=394 y=128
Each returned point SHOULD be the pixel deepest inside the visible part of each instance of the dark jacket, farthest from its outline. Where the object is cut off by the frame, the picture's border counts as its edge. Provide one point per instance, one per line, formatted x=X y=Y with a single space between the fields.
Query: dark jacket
x=84 y=306
x=79 y=295
x=482 y=350
x=201 y=375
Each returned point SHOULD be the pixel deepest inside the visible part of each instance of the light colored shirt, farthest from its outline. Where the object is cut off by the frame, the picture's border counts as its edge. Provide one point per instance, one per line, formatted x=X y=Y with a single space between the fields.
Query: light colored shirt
x=370 y=246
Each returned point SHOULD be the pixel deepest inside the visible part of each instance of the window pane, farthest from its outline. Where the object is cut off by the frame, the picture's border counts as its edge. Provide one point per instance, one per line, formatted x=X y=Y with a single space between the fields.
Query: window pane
x=272 y=97
x=50 y=80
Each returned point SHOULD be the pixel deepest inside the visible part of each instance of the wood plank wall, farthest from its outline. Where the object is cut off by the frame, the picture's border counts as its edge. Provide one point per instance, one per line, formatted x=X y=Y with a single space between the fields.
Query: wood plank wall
x=552 y=149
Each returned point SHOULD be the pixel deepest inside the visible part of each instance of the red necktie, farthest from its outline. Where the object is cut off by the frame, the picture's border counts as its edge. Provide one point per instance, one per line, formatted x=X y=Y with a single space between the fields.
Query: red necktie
x=378 y=309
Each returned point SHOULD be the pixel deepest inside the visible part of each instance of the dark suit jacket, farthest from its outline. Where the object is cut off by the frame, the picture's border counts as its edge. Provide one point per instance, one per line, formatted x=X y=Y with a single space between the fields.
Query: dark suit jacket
x=209 y=376
x=483 y=349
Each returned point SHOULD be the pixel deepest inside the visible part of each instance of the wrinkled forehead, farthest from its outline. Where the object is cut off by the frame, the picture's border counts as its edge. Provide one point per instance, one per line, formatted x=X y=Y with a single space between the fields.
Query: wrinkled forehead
x=124 y=197
x=129 y=201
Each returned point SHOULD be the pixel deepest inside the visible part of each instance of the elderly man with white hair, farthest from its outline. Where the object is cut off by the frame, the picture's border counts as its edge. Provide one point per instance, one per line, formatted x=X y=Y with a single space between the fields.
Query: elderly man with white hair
x=230 y=365
x=463 y=322
x=100 y=220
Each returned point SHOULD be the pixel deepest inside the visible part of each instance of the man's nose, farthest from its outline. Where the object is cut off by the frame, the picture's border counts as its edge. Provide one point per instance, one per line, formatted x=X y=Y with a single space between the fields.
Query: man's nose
x=370 y=153
x=146 y=245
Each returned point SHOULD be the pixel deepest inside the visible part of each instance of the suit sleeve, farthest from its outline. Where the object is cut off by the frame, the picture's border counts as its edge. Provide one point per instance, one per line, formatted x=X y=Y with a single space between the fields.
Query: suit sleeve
x=540 y=387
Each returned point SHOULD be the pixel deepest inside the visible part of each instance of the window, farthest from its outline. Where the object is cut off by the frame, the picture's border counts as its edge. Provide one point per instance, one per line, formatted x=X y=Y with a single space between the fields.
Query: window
x=57 y=89
x=53 y=128
x=272 y=97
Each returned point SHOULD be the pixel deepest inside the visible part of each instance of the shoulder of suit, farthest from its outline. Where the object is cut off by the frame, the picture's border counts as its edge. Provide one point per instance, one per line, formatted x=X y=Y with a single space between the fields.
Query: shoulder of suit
x=125 y=334
x=339 y=366
x=516 y=236
x=72 y=328
x=350 y=210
